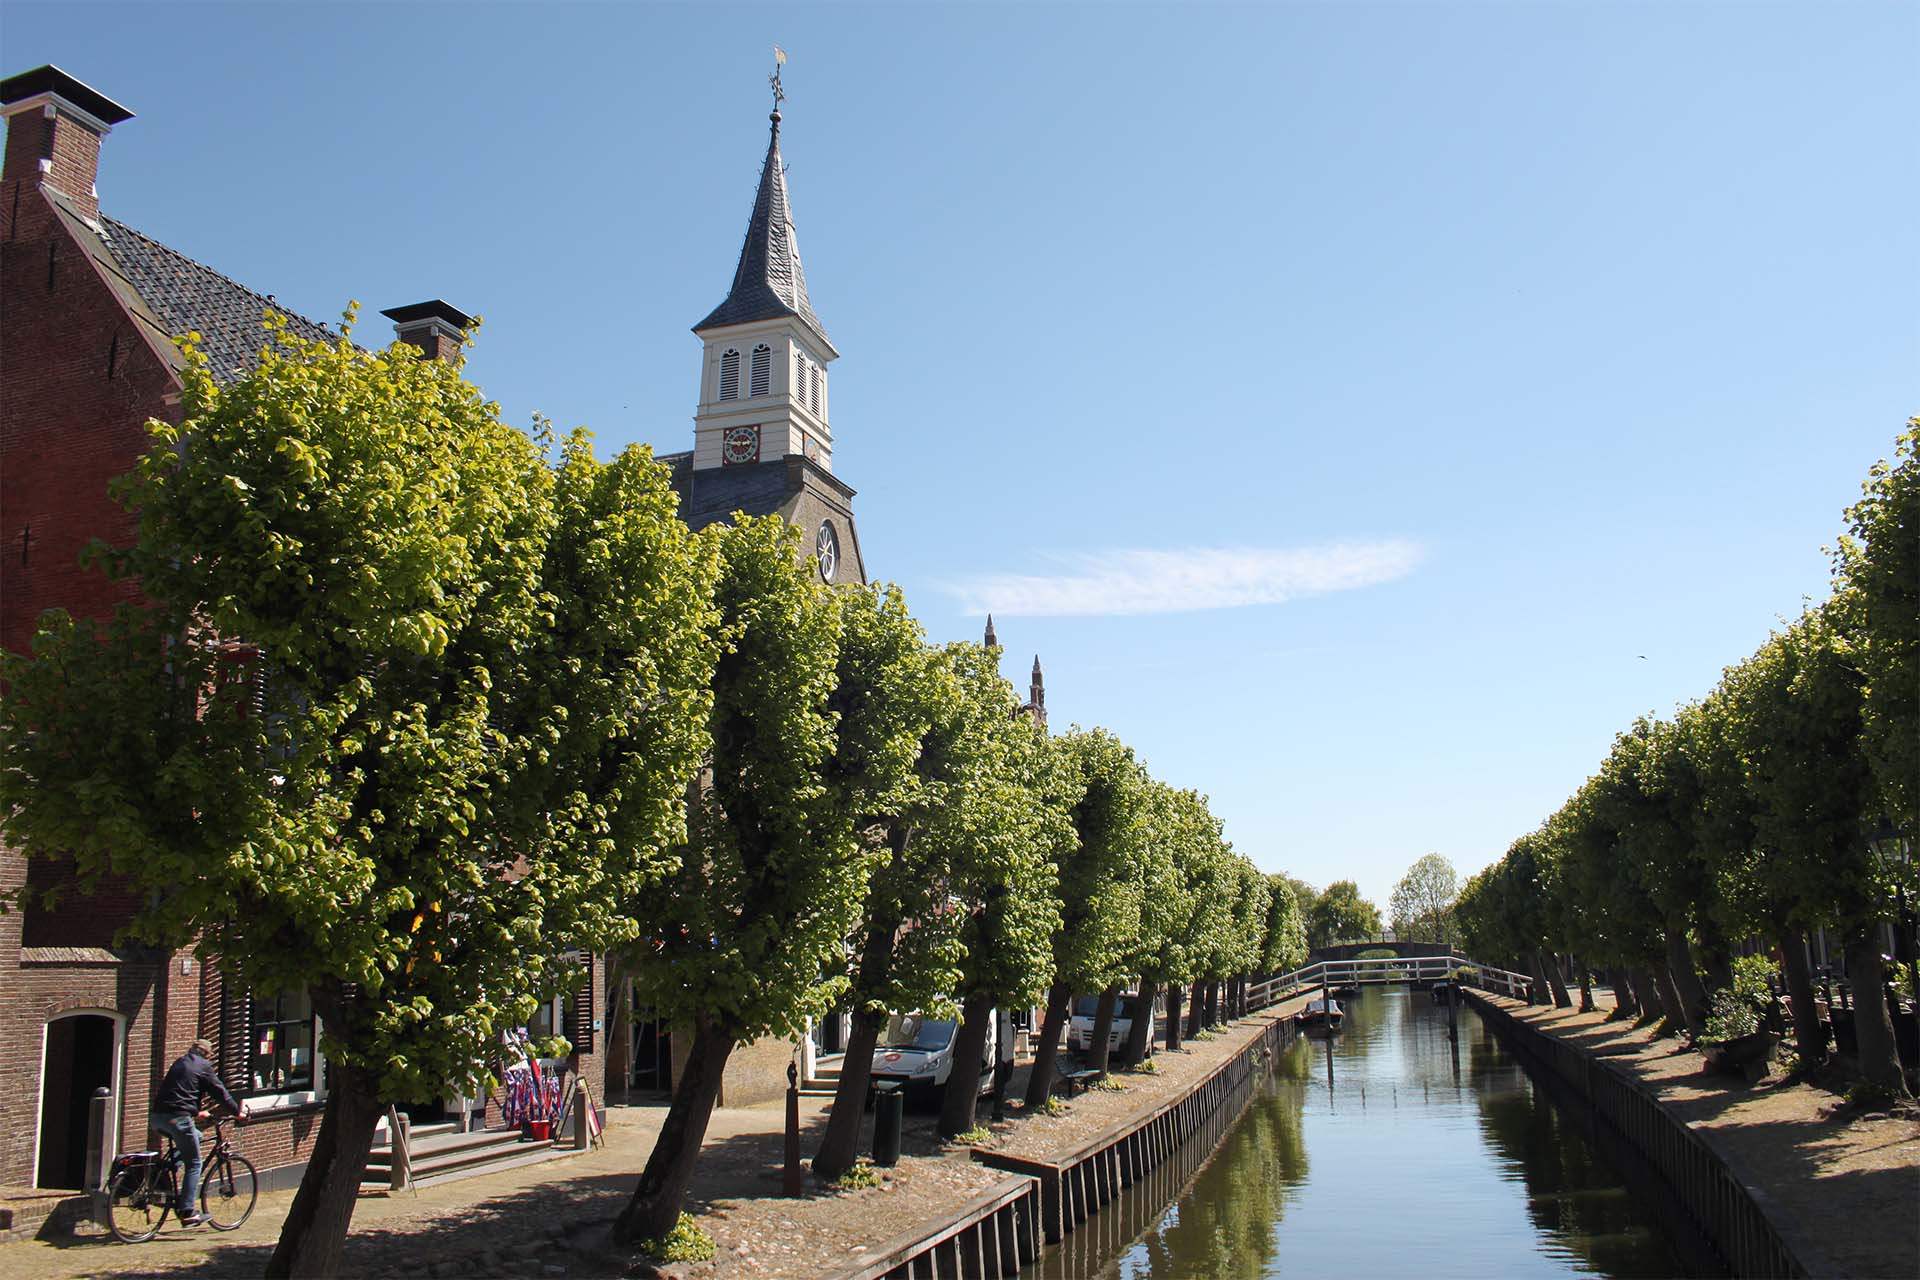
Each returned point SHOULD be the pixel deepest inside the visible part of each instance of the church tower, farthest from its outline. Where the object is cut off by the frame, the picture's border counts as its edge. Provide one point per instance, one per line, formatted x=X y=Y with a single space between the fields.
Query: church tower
x=763 y=442
x=763 y=379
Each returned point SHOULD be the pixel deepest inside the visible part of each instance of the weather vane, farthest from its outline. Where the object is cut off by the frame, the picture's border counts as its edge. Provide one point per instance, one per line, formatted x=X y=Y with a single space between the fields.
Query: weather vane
x=779 y=61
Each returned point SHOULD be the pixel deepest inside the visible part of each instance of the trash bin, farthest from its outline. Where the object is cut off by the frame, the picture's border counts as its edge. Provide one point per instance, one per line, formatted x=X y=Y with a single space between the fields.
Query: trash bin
x=889 y=1108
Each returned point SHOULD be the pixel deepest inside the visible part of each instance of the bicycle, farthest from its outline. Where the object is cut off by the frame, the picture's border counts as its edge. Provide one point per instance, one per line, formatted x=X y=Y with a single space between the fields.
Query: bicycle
x=145 y=1185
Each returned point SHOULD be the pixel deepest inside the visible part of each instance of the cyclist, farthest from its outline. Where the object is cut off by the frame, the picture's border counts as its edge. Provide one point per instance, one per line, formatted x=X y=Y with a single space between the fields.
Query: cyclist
x=175 y=1108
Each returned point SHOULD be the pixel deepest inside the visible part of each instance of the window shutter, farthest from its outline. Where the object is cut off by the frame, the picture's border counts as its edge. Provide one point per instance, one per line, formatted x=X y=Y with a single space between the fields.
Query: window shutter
x=577 y=1018
x=730 y=375
x=235 y=1049
x=761 y=376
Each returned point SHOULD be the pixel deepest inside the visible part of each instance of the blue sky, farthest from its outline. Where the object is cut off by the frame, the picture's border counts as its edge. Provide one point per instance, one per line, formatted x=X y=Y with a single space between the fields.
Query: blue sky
x=1371 y=386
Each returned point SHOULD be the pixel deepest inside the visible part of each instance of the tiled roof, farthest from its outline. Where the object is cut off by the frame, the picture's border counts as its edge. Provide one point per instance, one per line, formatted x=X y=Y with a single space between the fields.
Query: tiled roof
x=187 y=296
x=769 y=281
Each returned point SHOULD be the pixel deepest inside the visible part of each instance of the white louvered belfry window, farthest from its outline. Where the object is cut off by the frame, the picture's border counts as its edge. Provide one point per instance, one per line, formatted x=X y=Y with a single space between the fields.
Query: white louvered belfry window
x=813 y=388
x=761 y=375
x=730 y=375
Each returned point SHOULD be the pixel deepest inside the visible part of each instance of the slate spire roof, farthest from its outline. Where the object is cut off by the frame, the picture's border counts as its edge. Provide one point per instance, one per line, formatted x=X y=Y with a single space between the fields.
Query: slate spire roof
x=769 y=282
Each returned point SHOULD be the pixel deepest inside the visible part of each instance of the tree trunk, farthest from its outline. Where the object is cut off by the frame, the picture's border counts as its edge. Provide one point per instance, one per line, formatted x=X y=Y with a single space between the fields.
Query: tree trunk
x=1213 y=1004
x=1140 y=1034
x=1196 y=1008
x=1098 y=1050
x=1174 y=994
x=841 y=1142
x=1693 y=995
x=958 y=1108
x=313 y=1239
x=1809 y=1033
x=1670 y=998
x=657 y=1200
x=1626 y=1001
x=1550 y=965
x=1586 y=984
x=1646 y=994
x=1872 y=1023
x=1040 y=1082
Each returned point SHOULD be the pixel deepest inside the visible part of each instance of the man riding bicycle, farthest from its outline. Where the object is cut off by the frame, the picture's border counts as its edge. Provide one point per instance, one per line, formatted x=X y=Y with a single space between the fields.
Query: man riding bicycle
x=175 y=1108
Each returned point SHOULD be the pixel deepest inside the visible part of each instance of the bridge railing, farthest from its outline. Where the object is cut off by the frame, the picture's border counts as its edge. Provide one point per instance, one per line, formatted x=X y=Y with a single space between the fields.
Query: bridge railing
x=1345 y=973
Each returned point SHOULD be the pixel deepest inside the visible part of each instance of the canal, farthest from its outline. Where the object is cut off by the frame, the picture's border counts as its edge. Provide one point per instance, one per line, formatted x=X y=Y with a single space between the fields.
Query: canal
x=1390 y=1149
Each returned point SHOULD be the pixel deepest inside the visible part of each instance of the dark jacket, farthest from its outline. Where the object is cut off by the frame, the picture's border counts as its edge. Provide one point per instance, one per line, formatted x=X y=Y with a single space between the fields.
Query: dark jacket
x=186 y=1080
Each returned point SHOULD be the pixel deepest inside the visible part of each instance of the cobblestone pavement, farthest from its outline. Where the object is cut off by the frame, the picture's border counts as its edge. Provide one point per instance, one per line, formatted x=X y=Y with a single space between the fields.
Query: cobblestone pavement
x=552 y=1220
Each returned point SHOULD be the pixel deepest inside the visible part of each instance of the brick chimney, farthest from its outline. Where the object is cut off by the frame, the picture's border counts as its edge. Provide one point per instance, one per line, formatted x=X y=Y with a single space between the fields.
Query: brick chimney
x=54 y=127
x=435 y=327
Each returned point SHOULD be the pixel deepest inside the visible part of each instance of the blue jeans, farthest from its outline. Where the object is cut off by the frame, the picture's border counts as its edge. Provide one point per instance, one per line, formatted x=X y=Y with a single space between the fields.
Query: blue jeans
x=186 y=1136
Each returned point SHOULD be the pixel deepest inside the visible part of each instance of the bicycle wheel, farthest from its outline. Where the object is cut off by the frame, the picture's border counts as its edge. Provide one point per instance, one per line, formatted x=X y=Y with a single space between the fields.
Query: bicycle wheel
x=228 y=1190
x=138 y=1200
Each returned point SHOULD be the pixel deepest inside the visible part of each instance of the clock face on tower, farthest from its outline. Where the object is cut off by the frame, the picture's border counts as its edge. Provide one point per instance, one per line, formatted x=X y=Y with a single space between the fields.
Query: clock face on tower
x=826 y=547
x=741 y=444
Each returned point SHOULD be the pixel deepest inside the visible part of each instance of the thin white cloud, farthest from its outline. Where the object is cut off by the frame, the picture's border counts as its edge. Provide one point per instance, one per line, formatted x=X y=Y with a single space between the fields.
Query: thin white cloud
x=1180 y=581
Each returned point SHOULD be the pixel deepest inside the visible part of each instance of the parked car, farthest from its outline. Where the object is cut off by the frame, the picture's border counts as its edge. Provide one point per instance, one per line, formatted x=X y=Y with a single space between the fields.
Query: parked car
x=916 y=1052
x=1085 y=1008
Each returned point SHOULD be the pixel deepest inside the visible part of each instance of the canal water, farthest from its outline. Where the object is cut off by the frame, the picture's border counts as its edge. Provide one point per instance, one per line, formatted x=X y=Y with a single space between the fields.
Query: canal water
x=1387 y=1150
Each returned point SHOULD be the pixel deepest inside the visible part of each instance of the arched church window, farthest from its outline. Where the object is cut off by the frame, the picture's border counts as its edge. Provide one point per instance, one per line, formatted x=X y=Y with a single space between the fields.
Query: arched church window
x=813 y=388
x=761 y=373
x=729 y=375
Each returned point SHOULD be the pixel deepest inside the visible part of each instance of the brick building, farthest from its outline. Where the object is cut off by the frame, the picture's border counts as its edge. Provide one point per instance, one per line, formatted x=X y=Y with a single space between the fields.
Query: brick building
x=88 y=310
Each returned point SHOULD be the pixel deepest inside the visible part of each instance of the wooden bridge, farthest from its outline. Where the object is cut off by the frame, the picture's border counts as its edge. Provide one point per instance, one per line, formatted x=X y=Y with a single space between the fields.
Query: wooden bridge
x=1408 y=970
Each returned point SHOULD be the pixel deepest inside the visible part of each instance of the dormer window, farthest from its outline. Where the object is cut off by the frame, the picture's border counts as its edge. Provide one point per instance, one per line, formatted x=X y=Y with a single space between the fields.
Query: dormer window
x=730 y=375
x=760 y=377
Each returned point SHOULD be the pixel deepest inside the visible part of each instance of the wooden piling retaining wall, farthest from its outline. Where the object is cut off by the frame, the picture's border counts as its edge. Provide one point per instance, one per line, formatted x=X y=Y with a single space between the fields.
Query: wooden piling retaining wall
x=1045 y=1200
x=1753 y=1235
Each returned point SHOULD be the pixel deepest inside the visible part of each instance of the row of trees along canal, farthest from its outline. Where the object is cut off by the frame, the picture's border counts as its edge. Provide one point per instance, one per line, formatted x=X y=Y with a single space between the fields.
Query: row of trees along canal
x=405 y=702
x=1780 y=803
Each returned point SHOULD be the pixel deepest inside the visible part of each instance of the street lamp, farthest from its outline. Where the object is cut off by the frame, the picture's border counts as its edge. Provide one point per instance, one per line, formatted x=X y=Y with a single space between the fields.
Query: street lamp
x=1891 y=845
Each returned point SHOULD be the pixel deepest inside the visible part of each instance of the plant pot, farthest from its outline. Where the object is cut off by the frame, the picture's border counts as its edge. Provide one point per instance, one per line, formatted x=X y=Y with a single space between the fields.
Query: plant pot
x=537 y=1130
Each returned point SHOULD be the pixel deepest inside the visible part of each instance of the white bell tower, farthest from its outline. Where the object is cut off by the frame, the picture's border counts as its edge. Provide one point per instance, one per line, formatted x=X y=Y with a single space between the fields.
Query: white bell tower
x=763 y=373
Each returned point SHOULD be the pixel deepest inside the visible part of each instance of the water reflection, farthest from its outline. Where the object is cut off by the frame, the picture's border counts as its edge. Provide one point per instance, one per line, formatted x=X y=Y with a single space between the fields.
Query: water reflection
x=1391 y=1149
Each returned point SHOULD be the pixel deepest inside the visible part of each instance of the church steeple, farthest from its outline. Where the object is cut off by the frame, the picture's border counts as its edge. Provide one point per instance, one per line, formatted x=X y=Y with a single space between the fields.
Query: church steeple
x=1037 y=693
x=763 y=381
x=992 y=641
x=769 y=281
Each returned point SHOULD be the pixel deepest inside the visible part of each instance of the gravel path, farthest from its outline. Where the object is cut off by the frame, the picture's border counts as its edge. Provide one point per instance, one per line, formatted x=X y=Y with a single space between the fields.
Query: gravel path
x=1851 y=1180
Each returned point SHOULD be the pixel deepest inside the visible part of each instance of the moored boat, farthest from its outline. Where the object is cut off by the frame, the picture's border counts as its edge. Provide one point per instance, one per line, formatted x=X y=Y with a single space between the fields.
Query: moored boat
x=1321 y=1014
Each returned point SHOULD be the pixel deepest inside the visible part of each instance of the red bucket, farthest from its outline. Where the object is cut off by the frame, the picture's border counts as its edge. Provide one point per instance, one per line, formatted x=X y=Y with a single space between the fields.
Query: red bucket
x=538 y=1130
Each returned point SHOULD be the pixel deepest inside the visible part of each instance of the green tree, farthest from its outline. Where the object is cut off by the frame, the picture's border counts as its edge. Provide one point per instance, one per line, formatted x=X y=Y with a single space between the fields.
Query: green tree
x=1798 y=704
x=896 y=780
x=1010 y=829
x=1099 y=896
x=1341 y=915
x=1284 y=946
x=341 y=746
x=1879 y=563
x=1159 y=953
x=1422 y=902
x=773 y=875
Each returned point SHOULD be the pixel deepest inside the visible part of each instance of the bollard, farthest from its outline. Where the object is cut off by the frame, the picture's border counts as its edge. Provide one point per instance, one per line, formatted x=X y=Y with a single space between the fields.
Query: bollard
x=889 y=1109
x=791 y=1184
x=582 y=1121
x=400 y=1167
x=99 y=1157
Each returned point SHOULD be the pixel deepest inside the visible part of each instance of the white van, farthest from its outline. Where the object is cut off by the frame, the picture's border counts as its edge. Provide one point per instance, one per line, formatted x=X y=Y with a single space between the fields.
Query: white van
x=916 y=1052
x=1080 y=1029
